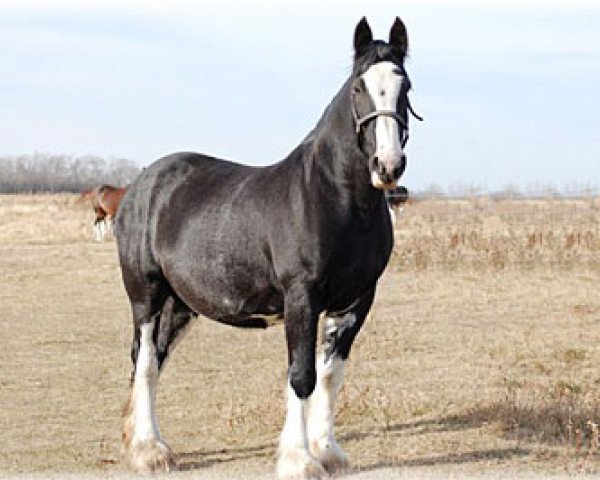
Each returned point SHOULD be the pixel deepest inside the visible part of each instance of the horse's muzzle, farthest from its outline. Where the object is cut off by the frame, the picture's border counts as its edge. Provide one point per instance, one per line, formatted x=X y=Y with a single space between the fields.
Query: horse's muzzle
x=386 y=170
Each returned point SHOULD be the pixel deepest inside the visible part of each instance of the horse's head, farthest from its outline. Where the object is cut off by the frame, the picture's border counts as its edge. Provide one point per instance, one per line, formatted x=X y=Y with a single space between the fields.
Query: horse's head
x=379 y=99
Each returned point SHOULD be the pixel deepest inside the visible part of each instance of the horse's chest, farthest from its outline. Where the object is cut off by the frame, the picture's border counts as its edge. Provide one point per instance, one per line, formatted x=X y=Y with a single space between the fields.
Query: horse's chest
x=357 y=271
x=357 y=266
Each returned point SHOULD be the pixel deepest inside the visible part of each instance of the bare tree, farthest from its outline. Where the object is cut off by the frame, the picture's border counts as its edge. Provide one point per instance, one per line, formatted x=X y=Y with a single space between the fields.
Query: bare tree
x=42 y=172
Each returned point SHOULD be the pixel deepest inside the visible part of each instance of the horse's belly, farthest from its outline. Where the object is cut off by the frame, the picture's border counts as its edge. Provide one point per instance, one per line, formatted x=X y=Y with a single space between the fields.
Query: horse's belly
x=231 y=299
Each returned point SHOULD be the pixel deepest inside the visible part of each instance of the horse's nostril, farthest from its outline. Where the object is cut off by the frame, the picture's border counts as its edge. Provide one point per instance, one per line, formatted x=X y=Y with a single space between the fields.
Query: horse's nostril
x=378 y=166
x=399 y=169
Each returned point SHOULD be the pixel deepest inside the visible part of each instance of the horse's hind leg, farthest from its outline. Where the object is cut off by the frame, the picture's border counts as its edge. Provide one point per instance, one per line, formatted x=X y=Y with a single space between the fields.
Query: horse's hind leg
x=98 y=230
x=156 y=331
x=174 y=324
x=145 y=450
x=338 y=335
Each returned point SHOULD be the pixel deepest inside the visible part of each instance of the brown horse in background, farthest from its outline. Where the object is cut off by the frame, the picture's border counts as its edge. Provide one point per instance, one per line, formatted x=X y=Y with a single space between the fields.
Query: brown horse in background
x=105 y=201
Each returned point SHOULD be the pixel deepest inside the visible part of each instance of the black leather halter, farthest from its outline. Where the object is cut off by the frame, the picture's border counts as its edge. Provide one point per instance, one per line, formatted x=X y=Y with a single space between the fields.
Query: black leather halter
x=360 y=121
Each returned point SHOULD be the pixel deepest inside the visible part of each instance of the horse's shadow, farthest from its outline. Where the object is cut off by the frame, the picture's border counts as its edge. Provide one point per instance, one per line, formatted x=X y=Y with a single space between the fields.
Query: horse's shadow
x=420 y=427
x=199 y=459
x=450 y=459
x=413 y=428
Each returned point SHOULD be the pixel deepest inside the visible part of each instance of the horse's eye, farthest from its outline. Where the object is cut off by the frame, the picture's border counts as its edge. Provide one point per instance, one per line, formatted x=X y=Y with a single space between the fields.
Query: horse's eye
x=357 y=89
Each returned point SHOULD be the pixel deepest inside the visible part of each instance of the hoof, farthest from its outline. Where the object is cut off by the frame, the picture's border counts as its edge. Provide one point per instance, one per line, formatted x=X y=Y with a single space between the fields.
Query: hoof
x=151 y=456
x=297 y=464
x=330 y=454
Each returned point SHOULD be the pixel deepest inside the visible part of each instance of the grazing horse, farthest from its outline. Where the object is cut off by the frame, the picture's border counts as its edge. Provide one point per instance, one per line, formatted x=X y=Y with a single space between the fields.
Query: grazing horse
x=105 y=201
x=250 y=246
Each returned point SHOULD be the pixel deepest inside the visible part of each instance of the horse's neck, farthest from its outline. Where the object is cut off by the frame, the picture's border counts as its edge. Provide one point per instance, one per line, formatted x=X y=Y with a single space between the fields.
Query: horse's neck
x=337 y=158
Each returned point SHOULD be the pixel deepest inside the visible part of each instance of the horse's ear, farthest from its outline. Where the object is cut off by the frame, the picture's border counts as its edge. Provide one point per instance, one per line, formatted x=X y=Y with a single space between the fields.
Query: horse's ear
x=399 y=37
x=362 y=36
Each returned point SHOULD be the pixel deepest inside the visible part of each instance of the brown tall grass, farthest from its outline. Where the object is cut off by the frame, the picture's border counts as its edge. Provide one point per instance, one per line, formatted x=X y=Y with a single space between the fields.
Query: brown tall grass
x=482 y=233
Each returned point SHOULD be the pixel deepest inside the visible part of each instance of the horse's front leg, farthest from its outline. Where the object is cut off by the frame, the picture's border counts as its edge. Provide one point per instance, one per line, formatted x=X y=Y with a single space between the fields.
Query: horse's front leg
x=338 y=334
x=301 y=318
x=98 y=230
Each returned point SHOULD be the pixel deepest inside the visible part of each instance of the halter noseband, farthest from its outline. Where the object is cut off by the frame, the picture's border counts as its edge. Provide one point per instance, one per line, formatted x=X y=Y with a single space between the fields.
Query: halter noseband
x=360 y=121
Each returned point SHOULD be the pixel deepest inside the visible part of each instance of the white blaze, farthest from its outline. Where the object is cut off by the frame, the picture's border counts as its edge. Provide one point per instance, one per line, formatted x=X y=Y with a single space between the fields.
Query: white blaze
x=383 y=83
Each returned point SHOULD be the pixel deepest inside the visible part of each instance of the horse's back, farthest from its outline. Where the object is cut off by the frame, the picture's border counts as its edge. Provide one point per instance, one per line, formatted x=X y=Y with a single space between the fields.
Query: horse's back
x=133 y=217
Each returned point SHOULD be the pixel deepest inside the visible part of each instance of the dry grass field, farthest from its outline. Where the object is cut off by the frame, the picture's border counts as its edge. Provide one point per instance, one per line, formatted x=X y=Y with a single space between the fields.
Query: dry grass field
x=480 y=355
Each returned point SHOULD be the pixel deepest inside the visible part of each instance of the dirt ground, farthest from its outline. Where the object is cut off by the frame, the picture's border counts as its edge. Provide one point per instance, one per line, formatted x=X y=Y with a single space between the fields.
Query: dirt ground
x=479 y=359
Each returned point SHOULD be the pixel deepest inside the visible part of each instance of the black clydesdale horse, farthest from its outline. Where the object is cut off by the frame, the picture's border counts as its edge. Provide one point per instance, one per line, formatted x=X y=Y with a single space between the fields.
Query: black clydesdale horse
x=248 y=246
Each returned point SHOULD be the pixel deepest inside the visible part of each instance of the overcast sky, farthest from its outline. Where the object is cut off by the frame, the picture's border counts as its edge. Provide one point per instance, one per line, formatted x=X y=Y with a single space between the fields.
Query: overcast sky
x=510 y=91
